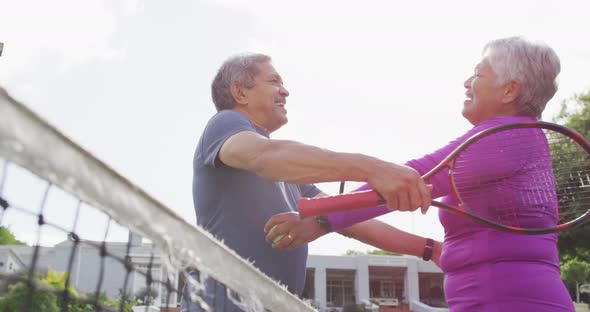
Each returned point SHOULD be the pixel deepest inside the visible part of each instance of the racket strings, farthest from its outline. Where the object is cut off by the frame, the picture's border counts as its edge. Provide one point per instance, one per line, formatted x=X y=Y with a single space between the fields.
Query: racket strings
x=524 y=177
x=571 y=167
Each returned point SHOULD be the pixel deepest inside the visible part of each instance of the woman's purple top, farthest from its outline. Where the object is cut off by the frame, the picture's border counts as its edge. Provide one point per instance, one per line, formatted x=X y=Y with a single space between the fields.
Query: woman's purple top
x=487 y=269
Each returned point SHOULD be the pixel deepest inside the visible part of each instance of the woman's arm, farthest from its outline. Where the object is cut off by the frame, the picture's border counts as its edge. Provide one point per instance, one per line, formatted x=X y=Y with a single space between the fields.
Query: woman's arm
x=440 y=182
x=389 y=238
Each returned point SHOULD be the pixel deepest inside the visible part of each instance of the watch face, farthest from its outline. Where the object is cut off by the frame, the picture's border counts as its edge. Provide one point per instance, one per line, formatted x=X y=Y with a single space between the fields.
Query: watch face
x=324 y=223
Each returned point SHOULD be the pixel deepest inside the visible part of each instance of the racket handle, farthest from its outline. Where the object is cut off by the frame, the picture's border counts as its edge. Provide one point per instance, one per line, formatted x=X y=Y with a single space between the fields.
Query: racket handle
x=310 y=207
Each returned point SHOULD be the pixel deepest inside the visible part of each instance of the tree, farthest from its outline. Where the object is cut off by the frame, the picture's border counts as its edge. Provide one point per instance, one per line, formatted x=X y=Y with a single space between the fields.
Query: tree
x=103 y=300
x=57 y=281
x=575 y=272
x=353 y=308
x=575 y=114
x=382 y=253
x=18 y=295
x=7 y=238
x=351 y=252
x=41 y=299
x=378 y=252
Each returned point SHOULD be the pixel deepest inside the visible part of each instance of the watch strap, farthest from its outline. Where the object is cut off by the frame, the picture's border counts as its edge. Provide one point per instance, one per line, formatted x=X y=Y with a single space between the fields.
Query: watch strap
x=324 y=223
x=428 y=248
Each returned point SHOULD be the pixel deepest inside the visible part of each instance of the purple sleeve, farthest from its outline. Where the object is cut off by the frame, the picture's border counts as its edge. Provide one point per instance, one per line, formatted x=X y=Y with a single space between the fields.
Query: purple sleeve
x=440 y=182
x=344 y=219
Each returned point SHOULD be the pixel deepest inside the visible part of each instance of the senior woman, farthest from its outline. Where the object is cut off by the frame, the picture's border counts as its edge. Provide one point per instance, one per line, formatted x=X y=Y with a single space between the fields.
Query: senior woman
x=486 y=270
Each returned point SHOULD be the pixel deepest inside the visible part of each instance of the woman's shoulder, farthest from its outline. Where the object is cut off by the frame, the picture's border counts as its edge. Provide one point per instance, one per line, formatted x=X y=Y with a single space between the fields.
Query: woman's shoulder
x=505 y=120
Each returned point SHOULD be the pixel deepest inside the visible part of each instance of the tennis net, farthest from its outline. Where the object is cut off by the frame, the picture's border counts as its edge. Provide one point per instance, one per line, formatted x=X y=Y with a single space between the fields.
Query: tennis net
x=72 y=210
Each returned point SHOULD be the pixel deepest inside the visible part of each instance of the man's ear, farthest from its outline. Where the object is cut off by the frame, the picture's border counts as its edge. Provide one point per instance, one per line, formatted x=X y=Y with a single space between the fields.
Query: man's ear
x=511 y=91
x=239 y=94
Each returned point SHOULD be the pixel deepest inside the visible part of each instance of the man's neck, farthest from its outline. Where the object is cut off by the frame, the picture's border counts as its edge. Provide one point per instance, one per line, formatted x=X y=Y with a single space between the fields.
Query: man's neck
x=253 y=120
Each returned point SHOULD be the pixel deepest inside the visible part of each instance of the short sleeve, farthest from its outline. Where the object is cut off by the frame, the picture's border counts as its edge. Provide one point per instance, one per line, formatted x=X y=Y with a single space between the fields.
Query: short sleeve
x=220 y=128
x=309 y=190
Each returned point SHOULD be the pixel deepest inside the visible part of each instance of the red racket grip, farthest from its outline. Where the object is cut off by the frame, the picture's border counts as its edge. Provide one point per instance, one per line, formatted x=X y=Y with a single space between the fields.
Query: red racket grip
x=310 y=207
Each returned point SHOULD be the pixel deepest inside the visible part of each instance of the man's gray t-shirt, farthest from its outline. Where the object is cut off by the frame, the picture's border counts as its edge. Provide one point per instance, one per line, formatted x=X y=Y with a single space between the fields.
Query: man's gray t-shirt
x=235 y=204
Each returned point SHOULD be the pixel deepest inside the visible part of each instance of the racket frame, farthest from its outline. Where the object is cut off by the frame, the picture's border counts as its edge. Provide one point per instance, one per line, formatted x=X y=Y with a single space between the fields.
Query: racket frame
x=309 y=206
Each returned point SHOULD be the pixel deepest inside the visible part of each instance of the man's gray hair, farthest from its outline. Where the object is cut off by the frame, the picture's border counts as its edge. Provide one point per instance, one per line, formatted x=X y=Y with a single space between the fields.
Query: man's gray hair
x=239 y=69
x=534 y=64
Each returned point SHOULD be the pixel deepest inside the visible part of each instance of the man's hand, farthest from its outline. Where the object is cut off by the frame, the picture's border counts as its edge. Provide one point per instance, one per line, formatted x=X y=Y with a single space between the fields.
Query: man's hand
x=402 y=187
x=295 y=230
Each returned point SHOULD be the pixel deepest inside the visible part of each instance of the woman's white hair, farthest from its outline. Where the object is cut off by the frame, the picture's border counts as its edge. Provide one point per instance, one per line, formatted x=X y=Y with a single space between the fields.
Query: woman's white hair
x=534 y=64
x=239 y=69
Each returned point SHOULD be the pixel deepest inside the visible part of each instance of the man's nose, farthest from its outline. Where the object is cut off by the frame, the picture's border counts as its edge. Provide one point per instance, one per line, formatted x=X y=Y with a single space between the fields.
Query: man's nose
x=284 y=91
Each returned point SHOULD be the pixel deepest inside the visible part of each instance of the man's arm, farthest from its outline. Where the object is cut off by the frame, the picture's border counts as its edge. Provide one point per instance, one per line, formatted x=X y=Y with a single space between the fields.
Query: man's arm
x=293 y=162
x=301 y=231
x=373 y=232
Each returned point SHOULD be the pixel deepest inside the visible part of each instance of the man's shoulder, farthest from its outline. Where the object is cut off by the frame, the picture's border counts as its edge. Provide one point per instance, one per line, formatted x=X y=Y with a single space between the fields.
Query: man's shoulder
x=228 y=115
x=226 y=120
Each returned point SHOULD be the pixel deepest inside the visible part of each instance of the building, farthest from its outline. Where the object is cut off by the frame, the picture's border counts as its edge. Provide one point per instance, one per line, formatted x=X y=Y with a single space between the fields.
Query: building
x=394 y=283
x=10 y=262
x=87 y=262
x=401 y=282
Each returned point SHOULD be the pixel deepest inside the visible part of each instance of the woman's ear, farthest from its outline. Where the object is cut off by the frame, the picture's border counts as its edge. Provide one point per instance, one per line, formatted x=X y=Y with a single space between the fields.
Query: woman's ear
x=511 y=91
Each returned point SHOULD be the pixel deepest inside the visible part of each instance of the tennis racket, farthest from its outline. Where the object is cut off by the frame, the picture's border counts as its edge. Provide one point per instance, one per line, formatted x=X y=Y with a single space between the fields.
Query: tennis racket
x=529 y=178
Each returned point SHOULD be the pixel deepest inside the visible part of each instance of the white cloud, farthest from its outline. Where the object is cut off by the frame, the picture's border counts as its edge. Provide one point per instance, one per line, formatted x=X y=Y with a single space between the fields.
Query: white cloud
x=65 y=33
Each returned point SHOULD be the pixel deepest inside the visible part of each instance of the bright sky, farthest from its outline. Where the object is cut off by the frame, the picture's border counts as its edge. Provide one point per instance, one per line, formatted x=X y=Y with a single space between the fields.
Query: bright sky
x=129 y=80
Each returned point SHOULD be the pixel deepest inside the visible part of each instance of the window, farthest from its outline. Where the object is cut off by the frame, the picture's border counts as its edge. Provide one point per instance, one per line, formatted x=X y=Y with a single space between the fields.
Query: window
x=382 y=289
x=340 y=292
x=374 y=289
x=388 y=289
x=340 y=287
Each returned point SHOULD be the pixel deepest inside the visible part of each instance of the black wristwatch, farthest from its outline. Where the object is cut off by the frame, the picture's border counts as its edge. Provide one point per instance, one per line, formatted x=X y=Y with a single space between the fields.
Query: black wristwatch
x=428 y=247
x=324 y=223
